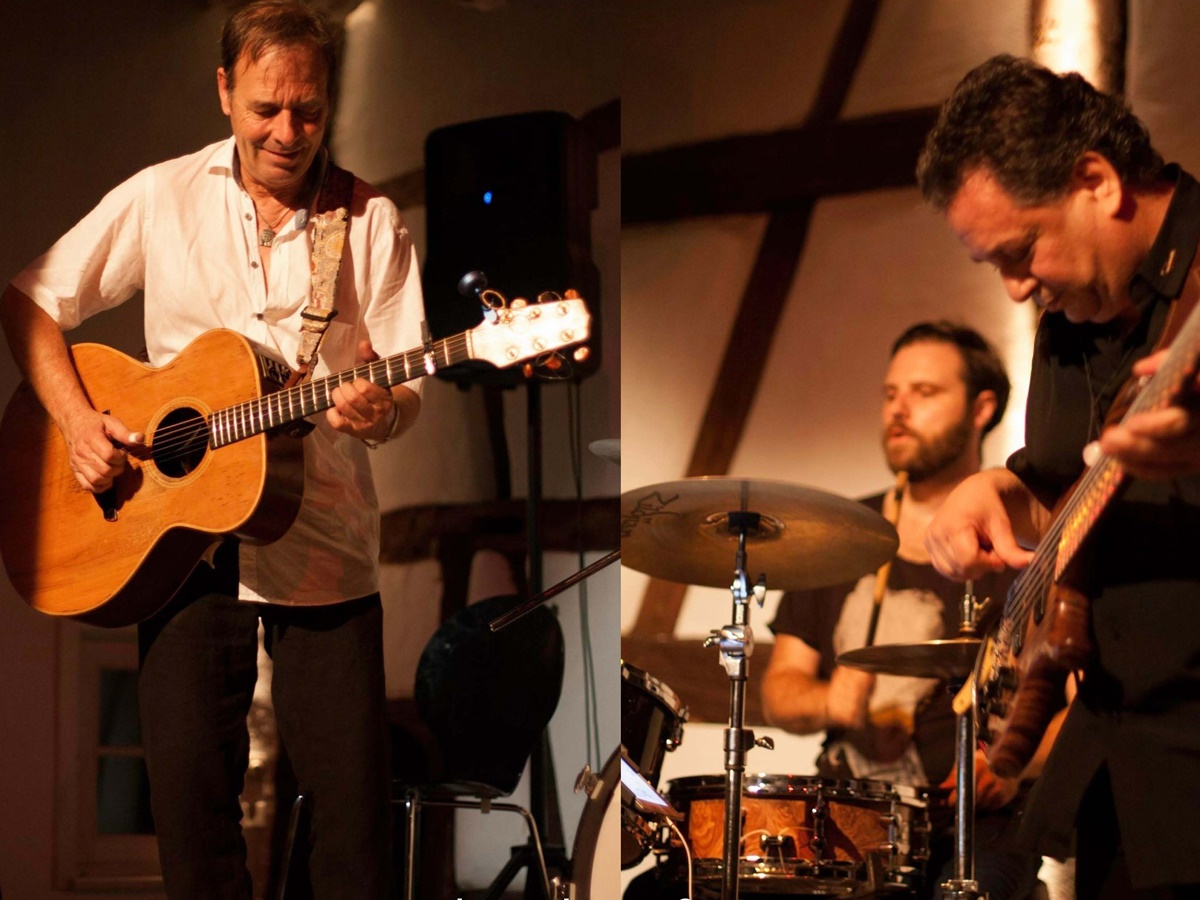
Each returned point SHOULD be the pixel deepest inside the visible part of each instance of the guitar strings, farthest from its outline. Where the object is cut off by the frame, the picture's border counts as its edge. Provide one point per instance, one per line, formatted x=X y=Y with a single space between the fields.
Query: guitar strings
x=1033 y=584
x=178 y=440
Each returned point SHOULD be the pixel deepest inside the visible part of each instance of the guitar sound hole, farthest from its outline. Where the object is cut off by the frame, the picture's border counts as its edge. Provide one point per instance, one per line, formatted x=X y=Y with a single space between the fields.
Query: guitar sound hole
x=180 y=442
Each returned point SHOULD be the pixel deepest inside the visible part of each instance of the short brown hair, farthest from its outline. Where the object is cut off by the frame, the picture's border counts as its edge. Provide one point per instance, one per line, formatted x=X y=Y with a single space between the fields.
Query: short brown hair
x=265 y=24
x=983 y=370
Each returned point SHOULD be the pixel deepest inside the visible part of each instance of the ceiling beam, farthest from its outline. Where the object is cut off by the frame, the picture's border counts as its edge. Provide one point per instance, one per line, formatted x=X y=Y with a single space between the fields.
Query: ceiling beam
x=755 y=173
x=742 y=175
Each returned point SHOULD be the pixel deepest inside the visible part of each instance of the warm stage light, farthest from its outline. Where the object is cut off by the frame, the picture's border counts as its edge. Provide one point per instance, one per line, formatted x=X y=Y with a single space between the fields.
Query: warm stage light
x=1084 y=36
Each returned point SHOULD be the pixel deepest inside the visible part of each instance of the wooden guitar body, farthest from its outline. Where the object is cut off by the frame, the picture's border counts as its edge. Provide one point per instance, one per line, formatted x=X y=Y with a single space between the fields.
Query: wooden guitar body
x=1020 y=682
x=217 y=461
x=175 y=499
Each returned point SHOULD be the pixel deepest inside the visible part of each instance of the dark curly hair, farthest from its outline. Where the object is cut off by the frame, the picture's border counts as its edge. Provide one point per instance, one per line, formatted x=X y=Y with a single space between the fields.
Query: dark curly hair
x=983 y=370
x=1028 y=127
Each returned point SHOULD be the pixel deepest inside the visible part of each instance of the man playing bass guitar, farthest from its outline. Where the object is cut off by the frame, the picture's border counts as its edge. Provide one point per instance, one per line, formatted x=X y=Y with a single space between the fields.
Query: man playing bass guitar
x=1058 y=187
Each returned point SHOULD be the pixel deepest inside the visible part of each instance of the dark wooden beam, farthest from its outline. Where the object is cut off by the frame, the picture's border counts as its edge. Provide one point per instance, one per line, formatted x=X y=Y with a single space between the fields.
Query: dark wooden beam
x=782 y=173
x=750 y=341
x=737 y=381
x=753 y=173
x=842 y=65
x=411 y=534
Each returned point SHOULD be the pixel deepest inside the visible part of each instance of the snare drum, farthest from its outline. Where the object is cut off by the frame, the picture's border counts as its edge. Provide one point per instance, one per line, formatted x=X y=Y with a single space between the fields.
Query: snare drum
x=652 y=718
x=807 y=835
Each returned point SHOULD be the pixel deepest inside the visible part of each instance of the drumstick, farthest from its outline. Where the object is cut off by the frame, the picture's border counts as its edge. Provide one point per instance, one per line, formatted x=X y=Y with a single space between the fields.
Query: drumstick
x=881 y=577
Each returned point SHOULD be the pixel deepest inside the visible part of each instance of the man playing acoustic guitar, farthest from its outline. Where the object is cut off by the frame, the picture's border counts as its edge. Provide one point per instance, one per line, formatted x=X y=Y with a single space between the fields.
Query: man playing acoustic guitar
x=224 y=238
x=1058 y=187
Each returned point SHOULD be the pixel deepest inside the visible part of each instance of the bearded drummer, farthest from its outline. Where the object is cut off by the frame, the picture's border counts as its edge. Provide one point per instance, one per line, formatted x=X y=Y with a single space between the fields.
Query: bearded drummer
x=944 y=390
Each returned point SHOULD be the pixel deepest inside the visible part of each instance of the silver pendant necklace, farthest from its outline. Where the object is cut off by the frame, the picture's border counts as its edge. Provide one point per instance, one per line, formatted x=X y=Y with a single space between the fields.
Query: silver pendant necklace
x=266 y=237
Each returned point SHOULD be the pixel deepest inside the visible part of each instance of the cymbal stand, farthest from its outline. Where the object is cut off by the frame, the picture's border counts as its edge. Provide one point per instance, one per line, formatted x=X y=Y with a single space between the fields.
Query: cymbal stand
x=736 y=643
x=963 y=885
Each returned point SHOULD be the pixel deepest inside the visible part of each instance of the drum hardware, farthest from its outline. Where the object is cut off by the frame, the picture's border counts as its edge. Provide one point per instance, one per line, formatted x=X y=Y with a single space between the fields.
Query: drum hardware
x=736 y=643
x=807 y=537
x=951 y=660
x=963 y=885
x=538 y=599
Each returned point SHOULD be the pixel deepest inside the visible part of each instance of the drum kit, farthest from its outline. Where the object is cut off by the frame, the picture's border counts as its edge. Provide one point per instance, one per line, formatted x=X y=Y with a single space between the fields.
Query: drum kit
x=780 y=835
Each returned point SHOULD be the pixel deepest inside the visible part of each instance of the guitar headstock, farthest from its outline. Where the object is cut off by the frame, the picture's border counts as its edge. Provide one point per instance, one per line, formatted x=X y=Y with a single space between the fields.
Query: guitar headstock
x=521 y=331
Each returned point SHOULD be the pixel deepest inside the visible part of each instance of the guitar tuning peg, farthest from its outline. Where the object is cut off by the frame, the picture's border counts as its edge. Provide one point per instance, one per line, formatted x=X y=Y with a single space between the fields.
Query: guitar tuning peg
x=518 y=303
x=581 y=353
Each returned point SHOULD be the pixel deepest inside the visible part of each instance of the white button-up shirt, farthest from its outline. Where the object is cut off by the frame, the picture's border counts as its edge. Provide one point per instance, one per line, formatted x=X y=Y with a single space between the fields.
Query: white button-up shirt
x=184 y=231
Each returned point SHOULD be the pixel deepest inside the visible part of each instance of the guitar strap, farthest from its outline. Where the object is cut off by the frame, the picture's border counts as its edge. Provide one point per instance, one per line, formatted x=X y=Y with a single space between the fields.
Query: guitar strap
x=330 y=220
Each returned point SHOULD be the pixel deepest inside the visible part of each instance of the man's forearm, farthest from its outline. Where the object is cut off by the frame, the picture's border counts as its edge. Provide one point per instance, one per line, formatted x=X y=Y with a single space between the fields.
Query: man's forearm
x=1028 y=517
x=796 y=702
x=40 y=351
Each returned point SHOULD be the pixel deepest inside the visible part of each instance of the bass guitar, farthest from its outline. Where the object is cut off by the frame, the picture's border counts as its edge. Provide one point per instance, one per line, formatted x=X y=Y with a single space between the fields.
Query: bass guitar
x=1044 y=633
x=222 y=456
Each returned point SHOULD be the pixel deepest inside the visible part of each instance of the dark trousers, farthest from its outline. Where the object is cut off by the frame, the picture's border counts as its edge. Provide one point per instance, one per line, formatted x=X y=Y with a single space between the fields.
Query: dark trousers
x=196 y=681
x=1000 y=870
x=1101 y=870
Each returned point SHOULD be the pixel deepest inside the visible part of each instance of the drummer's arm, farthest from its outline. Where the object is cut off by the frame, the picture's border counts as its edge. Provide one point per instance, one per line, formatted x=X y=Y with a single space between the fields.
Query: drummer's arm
x=796 y=700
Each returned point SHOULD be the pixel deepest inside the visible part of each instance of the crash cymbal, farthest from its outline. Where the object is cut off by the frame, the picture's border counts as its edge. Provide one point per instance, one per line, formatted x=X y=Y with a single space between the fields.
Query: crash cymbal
x=951 y=658
x=801 y=538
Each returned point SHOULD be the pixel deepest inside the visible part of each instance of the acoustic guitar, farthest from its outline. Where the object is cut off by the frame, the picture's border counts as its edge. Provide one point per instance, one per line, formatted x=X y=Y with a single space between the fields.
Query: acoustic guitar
x=1044 y=633
x=222 y=456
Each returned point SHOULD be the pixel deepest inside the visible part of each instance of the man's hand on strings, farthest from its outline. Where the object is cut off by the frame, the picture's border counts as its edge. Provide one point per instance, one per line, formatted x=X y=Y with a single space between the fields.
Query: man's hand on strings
x=361 y=408
x=96 y=447
x=1161 y=443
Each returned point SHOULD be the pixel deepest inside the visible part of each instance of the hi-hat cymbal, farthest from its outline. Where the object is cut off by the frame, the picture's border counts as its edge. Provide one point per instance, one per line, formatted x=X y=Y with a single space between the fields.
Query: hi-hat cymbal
x=803 y=537
x=951 y=658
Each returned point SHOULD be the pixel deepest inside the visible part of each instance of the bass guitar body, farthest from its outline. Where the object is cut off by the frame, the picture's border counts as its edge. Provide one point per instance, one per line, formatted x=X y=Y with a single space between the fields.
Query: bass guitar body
x=116 y=558
x=1020 y=677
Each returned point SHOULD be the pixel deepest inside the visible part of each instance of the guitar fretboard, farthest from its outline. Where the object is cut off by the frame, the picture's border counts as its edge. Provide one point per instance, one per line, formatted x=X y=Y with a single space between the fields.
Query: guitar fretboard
x=236 y=423
x=1095 y=490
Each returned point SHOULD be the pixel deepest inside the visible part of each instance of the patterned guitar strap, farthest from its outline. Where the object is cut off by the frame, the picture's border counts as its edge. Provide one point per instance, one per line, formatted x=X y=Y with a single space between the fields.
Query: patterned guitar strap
x=331 y=218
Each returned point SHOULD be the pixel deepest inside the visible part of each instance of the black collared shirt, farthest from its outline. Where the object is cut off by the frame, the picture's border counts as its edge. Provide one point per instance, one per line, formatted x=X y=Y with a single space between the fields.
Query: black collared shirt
x=1079 y=368
x=1138 y=710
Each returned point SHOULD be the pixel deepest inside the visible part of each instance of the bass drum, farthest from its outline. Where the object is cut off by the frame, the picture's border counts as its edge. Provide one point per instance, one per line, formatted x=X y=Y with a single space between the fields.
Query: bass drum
x=595 y=874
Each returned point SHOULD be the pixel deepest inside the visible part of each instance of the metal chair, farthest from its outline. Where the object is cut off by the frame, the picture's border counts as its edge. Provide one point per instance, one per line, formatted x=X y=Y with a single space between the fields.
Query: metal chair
x=487 y=698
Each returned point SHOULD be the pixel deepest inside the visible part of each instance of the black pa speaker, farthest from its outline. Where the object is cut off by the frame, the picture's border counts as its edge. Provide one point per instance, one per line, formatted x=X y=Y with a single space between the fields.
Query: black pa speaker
x=511 y=197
